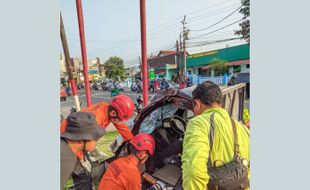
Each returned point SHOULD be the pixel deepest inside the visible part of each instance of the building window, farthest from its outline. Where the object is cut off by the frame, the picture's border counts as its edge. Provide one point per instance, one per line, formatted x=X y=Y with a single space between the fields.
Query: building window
x=248 y=66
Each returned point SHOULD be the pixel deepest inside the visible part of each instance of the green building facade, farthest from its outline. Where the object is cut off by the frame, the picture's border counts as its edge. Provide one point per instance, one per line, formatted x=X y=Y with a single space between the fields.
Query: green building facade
x=196 y=62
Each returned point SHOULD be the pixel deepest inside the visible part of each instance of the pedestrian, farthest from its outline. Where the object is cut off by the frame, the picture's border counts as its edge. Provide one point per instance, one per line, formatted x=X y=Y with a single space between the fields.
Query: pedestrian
x=123 y=173
x=81 y=133
x=211 y=140
x=119 y=109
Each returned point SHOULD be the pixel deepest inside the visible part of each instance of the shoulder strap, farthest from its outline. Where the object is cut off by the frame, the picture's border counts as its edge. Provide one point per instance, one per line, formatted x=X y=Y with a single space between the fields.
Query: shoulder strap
x=236 y=145
x=211 y=136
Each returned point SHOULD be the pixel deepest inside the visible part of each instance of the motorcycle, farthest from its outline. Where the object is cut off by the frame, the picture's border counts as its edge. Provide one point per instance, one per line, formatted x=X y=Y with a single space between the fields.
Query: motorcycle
x=110 y=87
x=135 y=88
x=68 y=91
x=95 y=87
x=104 y=86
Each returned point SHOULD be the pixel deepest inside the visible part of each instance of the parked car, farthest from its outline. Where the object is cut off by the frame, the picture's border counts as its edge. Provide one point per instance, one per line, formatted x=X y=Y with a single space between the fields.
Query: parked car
x=63 y=94
x=165 y=118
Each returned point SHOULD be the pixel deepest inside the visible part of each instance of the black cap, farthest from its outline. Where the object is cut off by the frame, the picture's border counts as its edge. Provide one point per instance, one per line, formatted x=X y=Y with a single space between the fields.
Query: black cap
x=82 y=126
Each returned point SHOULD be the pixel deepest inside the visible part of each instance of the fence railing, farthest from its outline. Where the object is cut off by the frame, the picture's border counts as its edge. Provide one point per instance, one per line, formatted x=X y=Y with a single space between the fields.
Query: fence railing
x=219 y=80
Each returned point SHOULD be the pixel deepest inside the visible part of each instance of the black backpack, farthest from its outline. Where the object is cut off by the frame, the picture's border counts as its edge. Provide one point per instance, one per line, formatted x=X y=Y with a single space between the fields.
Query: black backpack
x=232 y=175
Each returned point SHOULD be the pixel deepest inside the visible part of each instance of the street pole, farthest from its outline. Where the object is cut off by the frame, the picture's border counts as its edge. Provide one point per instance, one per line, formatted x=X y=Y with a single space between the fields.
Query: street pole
x=181 y=65
x=177 y=59
x=184 y=45
x=144 y=52
x=68 y=65
x=83 y=50
x=184 y=57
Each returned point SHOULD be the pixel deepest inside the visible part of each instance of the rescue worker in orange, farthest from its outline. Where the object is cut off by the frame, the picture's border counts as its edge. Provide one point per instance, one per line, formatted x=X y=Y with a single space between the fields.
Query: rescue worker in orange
x=120 y=109
x=123 y=173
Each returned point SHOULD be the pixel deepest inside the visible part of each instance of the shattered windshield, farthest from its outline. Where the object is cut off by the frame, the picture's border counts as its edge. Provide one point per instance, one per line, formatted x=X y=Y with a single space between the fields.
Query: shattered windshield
x=153 y=121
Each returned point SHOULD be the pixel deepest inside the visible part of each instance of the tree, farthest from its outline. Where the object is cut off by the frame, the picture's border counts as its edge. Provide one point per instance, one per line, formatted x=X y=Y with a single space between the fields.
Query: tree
x=245 y=25
x=218 y=66
x=114 y=67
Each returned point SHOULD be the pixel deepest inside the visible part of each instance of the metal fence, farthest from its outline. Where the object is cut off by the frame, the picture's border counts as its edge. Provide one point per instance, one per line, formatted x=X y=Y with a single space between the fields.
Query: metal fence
x=219 y=80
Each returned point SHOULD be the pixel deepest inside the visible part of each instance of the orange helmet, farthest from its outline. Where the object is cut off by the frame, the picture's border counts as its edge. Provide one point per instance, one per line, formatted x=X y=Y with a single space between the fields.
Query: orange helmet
x=143 y=141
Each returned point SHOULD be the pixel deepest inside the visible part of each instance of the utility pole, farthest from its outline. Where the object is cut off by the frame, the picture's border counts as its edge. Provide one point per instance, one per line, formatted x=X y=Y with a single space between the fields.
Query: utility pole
x=180 y=60
x=185 y=37
x=68 y=65
x=83 y=49
x=177 y=59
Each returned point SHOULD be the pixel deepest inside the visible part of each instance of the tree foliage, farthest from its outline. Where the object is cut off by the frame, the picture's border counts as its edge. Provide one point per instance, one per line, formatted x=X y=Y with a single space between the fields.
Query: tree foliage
x=218 y=66
x=245 y=25
x=114 y=67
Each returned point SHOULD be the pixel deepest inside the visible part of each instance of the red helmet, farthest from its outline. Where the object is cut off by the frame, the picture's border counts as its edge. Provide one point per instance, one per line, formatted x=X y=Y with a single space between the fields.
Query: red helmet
x=123 y=105
x=143 y=141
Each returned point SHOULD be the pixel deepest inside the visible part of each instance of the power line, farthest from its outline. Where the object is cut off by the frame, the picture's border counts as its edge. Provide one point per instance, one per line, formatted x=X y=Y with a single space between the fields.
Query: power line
x=169 y=45
x=218 y=21
x=218 y=34
x=172 y=28
x=190 y=13
x=217 y=29
x=193 y=12
x=196 y=44
x=213 y=13
x=135 y=37
x=151 y=48
x=152 y=38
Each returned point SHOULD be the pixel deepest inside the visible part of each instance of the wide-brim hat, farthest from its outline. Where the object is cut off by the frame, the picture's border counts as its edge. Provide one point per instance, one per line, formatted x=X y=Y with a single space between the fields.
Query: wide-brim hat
x=82 y=126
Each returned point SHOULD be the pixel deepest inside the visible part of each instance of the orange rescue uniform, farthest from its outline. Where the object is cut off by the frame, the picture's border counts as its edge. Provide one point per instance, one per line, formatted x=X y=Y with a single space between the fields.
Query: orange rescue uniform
x=100 y=110
x=122 y=174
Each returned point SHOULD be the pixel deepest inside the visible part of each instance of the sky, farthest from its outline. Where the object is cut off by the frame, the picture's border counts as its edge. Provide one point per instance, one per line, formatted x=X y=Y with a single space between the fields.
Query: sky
x=112 y=27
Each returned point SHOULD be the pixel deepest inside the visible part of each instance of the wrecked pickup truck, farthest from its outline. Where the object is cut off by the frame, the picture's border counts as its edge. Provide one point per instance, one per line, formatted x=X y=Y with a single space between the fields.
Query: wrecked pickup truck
x=165 y=118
